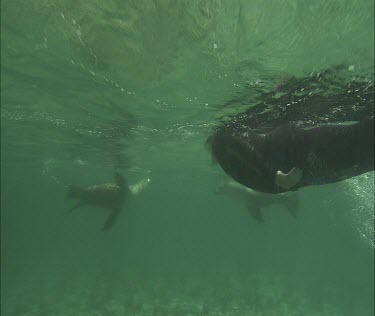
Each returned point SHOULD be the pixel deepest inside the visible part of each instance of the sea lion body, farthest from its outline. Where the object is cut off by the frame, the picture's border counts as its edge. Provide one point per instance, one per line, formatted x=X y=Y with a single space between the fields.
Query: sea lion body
x=324 y=153
x=111 y=196
x=108 y=195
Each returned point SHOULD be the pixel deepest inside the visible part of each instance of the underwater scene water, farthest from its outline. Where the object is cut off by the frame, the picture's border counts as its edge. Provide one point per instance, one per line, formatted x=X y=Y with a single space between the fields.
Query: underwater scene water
x=90 y=88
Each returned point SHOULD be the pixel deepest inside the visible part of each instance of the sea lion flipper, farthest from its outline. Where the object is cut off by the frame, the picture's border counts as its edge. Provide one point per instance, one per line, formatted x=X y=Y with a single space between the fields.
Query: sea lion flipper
x=111 y=219
x=255 y=212
x=120 y=180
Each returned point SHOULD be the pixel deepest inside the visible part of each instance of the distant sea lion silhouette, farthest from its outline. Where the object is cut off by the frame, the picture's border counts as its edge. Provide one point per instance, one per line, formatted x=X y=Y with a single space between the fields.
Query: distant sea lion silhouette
x=112 y=196
x=255 y=201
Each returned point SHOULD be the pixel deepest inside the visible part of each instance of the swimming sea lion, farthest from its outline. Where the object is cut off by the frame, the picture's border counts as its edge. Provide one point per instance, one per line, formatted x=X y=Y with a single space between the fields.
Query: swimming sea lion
x=112 y=196
x=255 y=201
x=289 y=156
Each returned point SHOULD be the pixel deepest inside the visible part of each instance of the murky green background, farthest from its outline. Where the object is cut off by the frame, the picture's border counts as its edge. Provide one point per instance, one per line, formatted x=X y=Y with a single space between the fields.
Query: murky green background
x=88 y=87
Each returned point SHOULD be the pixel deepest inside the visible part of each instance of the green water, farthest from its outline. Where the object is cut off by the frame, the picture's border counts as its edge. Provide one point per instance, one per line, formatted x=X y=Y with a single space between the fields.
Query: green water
x=88 y=87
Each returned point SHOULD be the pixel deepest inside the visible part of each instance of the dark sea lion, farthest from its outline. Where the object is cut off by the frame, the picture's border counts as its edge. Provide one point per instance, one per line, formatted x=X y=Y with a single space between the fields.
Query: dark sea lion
x=112 y=196
x=290 y=157
x=312 y=130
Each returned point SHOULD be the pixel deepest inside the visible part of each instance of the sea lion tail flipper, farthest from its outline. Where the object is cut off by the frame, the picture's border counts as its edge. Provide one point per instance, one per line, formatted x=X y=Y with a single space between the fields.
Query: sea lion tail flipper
x=111 y=219
x=120 y=180
x=291 y=203
x=256 y=213
x=74 y=192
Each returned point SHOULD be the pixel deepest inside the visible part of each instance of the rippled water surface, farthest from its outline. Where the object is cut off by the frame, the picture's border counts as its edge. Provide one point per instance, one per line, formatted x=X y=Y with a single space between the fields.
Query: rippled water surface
x=90 y=87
